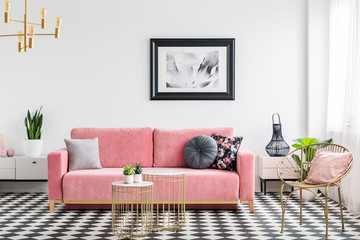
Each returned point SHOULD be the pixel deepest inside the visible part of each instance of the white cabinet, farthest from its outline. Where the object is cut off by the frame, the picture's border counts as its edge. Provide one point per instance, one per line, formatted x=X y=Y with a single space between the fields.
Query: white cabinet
x=267 y=167
x=7 y=168
x=23 y=168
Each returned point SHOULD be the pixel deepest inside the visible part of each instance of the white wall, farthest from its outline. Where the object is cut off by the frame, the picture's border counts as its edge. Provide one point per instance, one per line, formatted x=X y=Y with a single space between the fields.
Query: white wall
x=98 y=73
x=318 y=67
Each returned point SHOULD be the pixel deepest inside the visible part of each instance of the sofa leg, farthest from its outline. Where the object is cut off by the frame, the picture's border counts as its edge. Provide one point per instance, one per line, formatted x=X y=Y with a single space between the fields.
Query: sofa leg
x=251 y=206
x=52 y=205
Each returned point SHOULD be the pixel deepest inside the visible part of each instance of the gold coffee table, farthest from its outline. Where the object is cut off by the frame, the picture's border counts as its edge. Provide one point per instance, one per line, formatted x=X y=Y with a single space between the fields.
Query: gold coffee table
x=168 y=198
x=132 y=209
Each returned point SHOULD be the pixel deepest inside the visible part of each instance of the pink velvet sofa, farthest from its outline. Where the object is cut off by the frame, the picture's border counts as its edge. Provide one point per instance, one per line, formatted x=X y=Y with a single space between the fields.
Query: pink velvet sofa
x=158 y=148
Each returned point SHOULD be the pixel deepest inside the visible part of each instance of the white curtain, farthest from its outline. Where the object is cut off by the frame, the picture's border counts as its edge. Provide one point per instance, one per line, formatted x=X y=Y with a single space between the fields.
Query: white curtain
x=343 y=112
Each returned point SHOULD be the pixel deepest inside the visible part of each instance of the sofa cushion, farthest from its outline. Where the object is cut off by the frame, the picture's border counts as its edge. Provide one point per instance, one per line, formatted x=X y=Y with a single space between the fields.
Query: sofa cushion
x=120 y=146
x=83 y=154
x=169 y=144
x=227 y=150
x=200 y=185
x=90 y=185
x=200 y=152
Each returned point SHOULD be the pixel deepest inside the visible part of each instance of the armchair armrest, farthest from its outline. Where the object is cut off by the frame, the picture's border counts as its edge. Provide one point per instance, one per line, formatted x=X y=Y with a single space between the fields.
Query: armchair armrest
x=245 y=166
x=57 y=167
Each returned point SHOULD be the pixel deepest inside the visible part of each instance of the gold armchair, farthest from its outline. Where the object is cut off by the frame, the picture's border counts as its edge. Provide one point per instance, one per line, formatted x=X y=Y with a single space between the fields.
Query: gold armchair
x=296 y=164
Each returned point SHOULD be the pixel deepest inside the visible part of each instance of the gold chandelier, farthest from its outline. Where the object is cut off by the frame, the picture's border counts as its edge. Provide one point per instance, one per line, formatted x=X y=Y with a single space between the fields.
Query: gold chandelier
x=26 y=37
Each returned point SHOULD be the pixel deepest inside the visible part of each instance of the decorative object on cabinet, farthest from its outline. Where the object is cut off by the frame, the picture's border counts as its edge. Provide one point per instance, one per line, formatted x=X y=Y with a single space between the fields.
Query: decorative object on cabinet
x=289 y=166
x=3 y=153
x=27 y=38
x=34 y=144
x=23 y=168
x=192 y=69
x=1 y=141
x=10 y=152
x=277 y=147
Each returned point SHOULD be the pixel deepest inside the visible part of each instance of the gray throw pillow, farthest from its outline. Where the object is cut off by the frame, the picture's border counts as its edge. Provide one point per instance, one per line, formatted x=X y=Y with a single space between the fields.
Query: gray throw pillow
x=200 y=152
x=83 y=154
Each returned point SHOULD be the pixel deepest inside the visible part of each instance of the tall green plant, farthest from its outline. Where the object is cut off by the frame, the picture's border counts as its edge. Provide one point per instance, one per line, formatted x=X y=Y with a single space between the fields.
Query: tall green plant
x=33 y=124
x=309 y=152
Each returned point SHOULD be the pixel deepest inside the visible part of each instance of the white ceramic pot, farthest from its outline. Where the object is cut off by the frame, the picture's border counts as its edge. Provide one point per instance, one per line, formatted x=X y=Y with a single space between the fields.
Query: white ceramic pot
x=138 y=178
x=307 y=196
x=129 y=179
x=33 y=147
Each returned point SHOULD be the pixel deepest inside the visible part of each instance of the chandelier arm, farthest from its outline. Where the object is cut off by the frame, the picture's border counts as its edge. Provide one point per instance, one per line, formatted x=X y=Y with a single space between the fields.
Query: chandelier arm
x=14 y=20
x=34 y=23
x=10 y=35
x=44 y=34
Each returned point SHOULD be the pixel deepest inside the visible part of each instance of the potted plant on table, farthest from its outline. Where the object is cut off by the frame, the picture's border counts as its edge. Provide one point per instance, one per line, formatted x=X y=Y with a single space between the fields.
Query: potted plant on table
x=138 y=175
x=309 y=153
x=34 y=144
x=128 y=174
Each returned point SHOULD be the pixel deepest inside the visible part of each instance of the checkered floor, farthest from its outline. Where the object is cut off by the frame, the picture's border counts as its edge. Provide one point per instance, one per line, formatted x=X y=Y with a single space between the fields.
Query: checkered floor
x=26 y=216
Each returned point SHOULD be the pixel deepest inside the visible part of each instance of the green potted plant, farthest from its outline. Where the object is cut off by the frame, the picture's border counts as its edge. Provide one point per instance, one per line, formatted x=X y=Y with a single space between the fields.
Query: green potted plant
x=309 y=153
x=33 y=144
x=128 y=174
x=138 y=173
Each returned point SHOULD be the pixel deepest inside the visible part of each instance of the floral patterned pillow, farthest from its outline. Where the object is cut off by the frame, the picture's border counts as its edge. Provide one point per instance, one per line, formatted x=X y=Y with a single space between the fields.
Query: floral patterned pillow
x=227 y=150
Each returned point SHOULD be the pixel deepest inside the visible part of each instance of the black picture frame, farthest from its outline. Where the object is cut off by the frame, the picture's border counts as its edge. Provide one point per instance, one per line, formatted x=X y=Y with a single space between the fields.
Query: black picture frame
x=228 y=82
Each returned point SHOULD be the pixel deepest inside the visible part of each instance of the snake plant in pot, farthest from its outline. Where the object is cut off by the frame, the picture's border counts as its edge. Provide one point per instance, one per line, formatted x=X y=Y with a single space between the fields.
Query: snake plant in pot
x=128 y=174
x=33 y=144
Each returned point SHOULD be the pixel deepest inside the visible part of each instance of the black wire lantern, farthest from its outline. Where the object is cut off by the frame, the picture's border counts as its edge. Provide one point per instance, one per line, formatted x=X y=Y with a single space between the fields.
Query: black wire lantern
x=277 y=147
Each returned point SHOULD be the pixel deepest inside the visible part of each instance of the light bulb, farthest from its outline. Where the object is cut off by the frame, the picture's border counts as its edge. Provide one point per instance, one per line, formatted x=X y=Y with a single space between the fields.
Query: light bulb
x=32 y=31
x=43 y=16
x=58 y=22
x=20 y=43
x=43 y=12
x=7 y=5
x=31 y=39
x=21 y=36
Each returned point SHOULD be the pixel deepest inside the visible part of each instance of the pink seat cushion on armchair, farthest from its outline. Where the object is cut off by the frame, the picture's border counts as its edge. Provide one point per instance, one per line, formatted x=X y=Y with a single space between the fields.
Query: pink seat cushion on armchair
x=326 y=167
x=169 y=144
x=120 y=146
x=200 y=185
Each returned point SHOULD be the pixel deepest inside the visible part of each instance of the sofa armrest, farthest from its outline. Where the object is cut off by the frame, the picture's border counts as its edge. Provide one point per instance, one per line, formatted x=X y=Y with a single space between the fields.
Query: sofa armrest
x=57 y=167
x=245 y=166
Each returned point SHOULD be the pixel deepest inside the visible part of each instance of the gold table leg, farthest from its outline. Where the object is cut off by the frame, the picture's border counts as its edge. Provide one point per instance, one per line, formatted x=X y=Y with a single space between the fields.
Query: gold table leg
x=132 y=211
x=169 y=200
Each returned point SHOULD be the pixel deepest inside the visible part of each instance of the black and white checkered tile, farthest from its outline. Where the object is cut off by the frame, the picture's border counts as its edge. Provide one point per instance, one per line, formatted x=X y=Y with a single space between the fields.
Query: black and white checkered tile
x=26 y=216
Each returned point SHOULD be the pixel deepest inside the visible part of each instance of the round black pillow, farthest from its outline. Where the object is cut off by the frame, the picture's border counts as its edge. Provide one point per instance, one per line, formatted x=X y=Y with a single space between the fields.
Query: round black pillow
x=200 y=152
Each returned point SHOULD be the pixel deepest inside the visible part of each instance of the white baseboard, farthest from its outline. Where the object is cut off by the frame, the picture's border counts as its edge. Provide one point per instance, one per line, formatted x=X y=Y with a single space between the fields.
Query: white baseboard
x=19 y=187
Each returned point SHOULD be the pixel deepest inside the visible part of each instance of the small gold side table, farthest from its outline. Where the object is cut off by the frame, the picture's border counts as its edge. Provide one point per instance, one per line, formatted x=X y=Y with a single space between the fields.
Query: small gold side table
x=168 y=198
x=132 y=209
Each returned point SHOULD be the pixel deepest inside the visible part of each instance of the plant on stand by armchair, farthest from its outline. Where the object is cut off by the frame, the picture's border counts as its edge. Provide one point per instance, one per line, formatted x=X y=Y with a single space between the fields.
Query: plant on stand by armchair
x=309 y=153
x=128 y=174
x=138 y=175
x=34 y=144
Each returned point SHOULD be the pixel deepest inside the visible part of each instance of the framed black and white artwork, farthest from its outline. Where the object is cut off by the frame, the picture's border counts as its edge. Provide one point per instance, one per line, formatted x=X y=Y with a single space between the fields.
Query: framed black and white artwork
x=192 y=69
